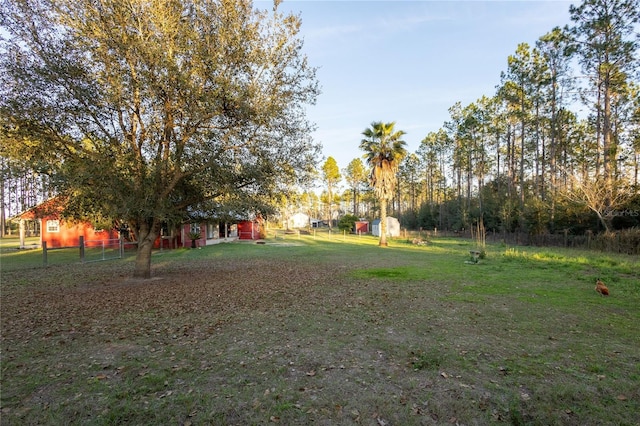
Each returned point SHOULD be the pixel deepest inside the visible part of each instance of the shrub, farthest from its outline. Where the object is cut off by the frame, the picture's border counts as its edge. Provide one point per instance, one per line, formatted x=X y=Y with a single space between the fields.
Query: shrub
x=347 y=223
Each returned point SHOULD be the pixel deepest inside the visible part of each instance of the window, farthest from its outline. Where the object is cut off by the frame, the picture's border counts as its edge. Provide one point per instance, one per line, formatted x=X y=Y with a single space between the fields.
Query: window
x=53 y=226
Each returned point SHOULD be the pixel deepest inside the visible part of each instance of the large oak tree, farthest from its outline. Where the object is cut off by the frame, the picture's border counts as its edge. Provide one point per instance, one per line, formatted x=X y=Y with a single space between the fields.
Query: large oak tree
x=148 y=110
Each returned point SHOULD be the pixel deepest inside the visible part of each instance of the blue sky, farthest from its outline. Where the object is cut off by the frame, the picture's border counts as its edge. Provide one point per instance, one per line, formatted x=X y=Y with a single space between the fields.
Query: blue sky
x=409 y=61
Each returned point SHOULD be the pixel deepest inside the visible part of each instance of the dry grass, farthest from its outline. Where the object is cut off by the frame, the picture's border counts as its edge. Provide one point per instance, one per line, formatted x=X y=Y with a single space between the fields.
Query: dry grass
x=326 y=332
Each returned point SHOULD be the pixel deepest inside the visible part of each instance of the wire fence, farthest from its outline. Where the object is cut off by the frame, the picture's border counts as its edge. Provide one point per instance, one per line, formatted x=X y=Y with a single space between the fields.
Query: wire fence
x=95 y=250
x=98 y=250
x=625 y=241
x=85 y=252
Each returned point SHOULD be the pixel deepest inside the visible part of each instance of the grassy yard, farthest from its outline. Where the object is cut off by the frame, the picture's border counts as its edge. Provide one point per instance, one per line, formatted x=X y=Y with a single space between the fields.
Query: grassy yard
x=328 y=331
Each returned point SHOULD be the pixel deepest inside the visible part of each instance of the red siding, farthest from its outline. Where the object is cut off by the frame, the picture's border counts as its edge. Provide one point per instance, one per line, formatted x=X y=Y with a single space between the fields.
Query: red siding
x=248 y=230
x=362 y=227
x=69 y=234
x=186 y=230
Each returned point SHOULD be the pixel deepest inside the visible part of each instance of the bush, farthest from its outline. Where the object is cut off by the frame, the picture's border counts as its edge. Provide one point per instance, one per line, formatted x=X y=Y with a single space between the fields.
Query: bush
x=347 y=223
x=626 y=241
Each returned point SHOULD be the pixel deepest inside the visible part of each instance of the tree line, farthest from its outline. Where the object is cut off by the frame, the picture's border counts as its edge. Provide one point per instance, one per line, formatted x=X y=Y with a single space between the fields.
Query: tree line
x=525 y=159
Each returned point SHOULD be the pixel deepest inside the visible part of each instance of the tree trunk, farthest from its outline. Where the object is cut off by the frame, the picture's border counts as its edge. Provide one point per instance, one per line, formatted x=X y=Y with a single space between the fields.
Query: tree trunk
x=521 y=217
x=636 y=167
x=146 y=237
x=330 y=193
x=383 y=223
x=355 y=202
x=609 y=147
x=3 y=221
x=603 y=221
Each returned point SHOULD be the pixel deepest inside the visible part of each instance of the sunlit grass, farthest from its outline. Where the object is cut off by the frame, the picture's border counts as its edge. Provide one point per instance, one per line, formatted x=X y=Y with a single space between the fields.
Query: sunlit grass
x=9 y=243
x=325 y=329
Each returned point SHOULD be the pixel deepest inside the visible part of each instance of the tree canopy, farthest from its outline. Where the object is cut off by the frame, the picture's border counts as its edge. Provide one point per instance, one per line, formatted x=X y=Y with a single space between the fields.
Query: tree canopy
x=151 y=110
x=356 y=177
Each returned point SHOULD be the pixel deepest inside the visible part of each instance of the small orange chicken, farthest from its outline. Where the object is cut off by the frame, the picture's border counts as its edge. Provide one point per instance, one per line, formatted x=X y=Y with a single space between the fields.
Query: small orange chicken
x=601 y=288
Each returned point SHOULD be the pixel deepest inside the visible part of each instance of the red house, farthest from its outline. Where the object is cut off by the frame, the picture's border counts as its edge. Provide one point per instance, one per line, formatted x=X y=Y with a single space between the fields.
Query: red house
x=57 y=232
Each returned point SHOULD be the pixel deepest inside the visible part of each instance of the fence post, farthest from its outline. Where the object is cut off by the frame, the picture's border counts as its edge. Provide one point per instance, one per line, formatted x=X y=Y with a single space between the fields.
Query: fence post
x=619 y=241
x=566 y=237
x=44 y=253
x=121 y=246
x=81 y=245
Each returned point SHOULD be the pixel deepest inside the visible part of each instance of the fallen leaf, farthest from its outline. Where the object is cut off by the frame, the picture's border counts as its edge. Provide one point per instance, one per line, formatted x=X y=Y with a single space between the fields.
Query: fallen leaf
x=445 y=375
x=622 y=398
x=311 y=373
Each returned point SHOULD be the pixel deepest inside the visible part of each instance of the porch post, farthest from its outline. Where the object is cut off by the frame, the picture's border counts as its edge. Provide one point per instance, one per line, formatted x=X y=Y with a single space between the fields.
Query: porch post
x=22 y=233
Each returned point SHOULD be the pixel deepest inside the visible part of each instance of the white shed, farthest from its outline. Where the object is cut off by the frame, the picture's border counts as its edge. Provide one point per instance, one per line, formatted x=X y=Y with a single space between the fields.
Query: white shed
x=393 y=227
x=299 y=220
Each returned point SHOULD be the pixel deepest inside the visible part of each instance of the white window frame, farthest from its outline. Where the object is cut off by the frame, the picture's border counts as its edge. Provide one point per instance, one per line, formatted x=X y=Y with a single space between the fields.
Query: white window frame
x=53 y=225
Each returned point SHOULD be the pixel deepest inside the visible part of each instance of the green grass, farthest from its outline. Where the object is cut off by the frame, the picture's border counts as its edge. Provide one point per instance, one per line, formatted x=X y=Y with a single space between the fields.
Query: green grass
x=325 y=329
x=12 y=257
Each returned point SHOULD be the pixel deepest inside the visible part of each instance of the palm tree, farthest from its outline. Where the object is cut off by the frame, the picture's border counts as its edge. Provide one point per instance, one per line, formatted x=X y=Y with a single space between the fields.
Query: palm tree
x=384 y=149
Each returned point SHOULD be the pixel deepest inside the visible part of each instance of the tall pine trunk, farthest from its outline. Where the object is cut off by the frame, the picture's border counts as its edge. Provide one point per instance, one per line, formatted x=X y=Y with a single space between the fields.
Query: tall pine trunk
x=355 y=201
x=609 y=145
